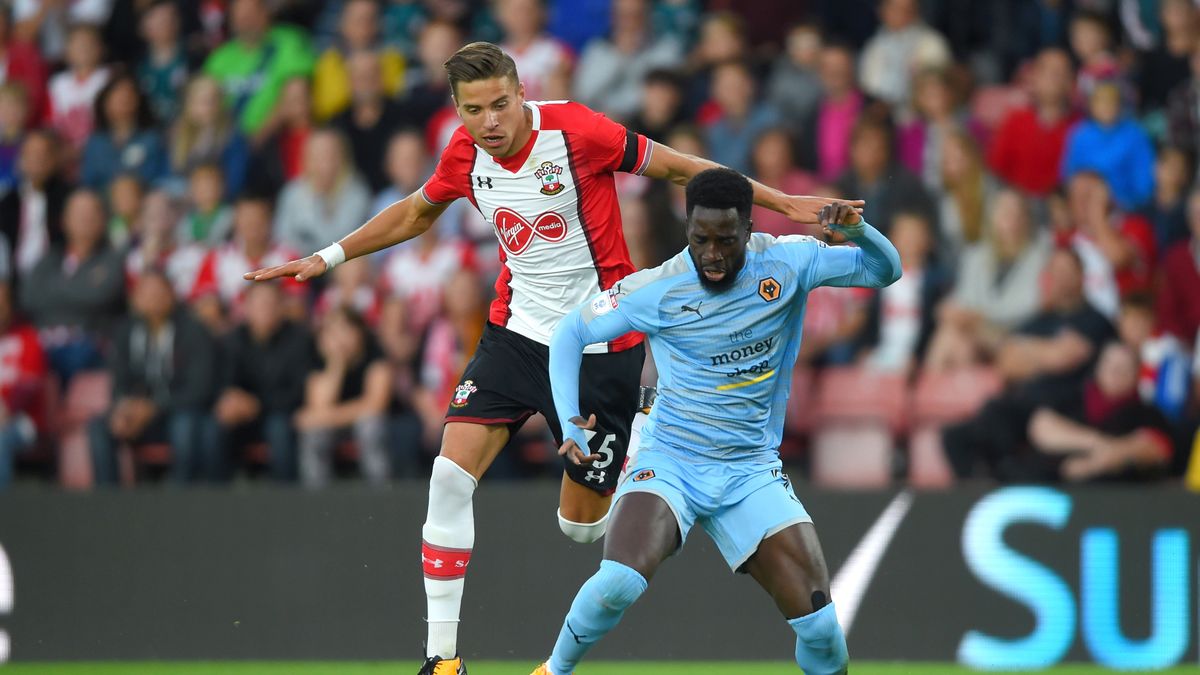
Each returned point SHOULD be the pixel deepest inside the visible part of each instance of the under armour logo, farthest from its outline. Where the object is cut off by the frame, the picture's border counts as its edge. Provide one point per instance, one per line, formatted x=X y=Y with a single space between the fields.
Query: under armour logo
x=695 y=309
x=437 y=563
x=483 y=182
x=516 y=233
x=578 y=638
x=597 y=476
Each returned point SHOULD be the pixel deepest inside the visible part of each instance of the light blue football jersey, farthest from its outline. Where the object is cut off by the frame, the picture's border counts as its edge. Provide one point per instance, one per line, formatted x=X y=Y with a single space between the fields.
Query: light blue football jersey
x=724 y=358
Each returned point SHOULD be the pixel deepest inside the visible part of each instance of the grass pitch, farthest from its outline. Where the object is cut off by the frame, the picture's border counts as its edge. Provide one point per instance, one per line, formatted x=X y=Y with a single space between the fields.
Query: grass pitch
x=507 y=668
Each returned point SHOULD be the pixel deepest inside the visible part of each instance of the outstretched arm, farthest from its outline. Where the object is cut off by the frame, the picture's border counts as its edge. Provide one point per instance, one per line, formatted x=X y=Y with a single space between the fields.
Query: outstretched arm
x=566 y=354
x=399 y=222
x=677 y=167
x=874 y=263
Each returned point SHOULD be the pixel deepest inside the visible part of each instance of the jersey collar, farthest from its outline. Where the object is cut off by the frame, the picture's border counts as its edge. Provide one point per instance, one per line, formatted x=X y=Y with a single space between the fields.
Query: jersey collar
x=513 y=163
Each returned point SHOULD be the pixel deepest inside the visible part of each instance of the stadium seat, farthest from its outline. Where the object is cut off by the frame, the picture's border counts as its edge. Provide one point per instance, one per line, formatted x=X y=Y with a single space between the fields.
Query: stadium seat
x=927 y=466
x=43 y=452
x=942 y=398
x=853 y=456
x=88 y=395
x=855 y=395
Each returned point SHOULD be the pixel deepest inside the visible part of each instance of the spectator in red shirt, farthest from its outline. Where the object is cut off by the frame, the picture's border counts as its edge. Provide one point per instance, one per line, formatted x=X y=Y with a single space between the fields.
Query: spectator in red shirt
x=1027 y=150
x=21 y=63
x=280 y=143
x=22 y=378
x=1178 y=306
x=1117 y=248
x=1106 y=433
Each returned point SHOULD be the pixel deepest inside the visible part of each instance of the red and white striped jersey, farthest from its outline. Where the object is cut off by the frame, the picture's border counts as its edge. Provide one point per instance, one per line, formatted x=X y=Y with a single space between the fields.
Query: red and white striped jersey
x=553 y=206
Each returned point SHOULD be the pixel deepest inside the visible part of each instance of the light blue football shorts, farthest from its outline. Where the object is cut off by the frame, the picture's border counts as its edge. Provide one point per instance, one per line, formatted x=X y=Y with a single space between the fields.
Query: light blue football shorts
x=738 y=504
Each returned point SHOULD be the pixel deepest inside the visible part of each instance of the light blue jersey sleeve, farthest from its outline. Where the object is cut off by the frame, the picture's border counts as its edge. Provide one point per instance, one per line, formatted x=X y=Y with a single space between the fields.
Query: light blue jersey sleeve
x=607 y=316
x=873 y=263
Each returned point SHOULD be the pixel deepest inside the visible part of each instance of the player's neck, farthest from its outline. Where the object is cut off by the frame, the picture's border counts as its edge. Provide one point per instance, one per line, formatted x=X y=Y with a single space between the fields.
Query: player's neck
x=521 y=138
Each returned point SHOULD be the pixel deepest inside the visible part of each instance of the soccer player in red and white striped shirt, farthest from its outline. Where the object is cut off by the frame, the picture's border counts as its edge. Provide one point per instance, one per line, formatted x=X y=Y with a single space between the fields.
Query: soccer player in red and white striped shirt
x=542 y=173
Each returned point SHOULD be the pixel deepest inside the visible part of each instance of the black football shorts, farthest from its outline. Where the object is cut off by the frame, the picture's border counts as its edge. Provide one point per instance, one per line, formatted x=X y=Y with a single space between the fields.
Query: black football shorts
x=508 y=380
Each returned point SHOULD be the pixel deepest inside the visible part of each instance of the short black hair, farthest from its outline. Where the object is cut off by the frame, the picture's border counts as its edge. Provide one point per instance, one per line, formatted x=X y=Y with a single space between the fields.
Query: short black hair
x=720 y=189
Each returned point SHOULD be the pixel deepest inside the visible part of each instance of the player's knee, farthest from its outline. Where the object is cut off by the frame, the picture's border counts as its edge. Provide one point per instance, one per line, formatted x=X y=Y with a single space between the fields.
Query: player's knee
x=450 y=480
x=621 y=585
x=584 y=533
x=820 y=642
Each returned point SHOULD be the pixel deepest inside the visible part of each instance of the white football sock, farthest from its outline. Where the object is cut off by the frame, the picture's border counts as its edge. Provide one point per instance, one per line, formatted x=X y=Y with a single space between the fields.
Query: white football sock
x=448 y=536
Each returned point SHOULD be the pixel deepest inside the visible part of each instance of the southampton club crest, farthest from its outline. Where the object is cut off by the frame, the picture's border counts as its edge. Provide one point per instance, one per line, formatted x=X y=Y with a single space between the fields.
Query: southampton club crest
x=462 y=393
x=548 y=173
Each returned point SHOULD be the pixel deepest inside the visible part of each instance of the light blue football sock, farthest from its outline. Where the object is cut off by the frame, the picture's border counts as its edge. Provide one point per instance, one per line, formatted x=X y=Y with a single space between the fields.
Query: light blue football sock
x=597 y=609
x=820 y=644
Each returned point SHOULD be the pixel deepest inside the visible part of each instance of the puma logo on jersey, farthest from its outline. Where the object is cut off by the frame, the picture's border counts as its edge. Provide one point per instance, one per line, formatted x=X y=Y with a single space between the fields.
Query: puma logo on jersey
x=516 y=233
x=695 y=309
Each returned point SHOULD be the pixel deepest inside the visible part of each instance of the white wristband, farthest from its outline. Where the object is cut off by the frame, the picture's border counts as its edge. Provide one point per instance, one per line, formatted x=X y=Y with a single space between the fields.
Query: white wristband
x=333 y=255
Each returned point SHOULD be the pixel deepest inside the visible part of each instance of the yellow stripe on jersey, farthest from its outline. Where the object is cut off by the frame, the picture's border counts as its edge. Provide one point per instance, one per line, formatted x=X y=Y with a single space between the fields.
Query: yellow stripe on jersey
x=747 y=383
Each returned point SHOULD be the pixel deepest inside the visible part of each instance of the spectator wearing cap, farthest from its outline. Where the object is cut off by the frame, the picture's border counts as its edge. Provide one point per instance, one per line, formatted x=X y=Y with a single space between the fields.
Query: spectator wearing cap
x=1113 y=145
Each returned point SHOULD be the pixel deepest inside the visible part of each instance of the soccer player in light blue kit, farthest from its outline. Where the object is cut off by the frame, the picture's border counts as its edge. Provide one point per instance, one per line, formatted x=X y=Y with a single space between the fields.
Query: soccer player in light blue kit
x=723 y=319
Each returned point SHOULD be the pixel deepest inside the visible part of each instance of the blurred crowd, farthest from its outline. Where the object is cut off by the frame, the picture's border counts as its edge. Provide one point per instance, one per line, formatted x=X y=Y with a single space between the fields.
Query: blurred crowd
x=1034 y=162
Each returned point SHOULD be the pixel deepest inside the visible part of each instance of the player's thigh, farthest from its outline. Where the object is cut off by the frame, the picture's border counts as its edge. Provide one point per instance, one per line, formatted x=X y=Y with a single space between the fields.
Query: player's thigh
x=473 y=446
x=580 y=504
x=790 y=566
x=608 y=388
x=643 y=532
x=498 y=391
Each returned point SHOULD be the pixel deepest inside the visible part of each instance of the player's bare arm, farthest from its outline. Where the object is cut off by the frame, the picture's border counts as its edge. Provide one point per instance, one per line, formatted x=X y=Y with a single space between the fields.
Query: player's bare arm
x=677 y=167
x=403 y=220
x=571 y=450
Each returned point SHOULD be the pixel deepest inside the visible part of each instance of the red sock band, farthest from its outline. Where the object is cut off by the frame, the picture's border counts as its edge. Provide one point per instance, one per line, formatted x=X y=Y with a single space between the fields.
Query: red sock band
x=445 y=564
